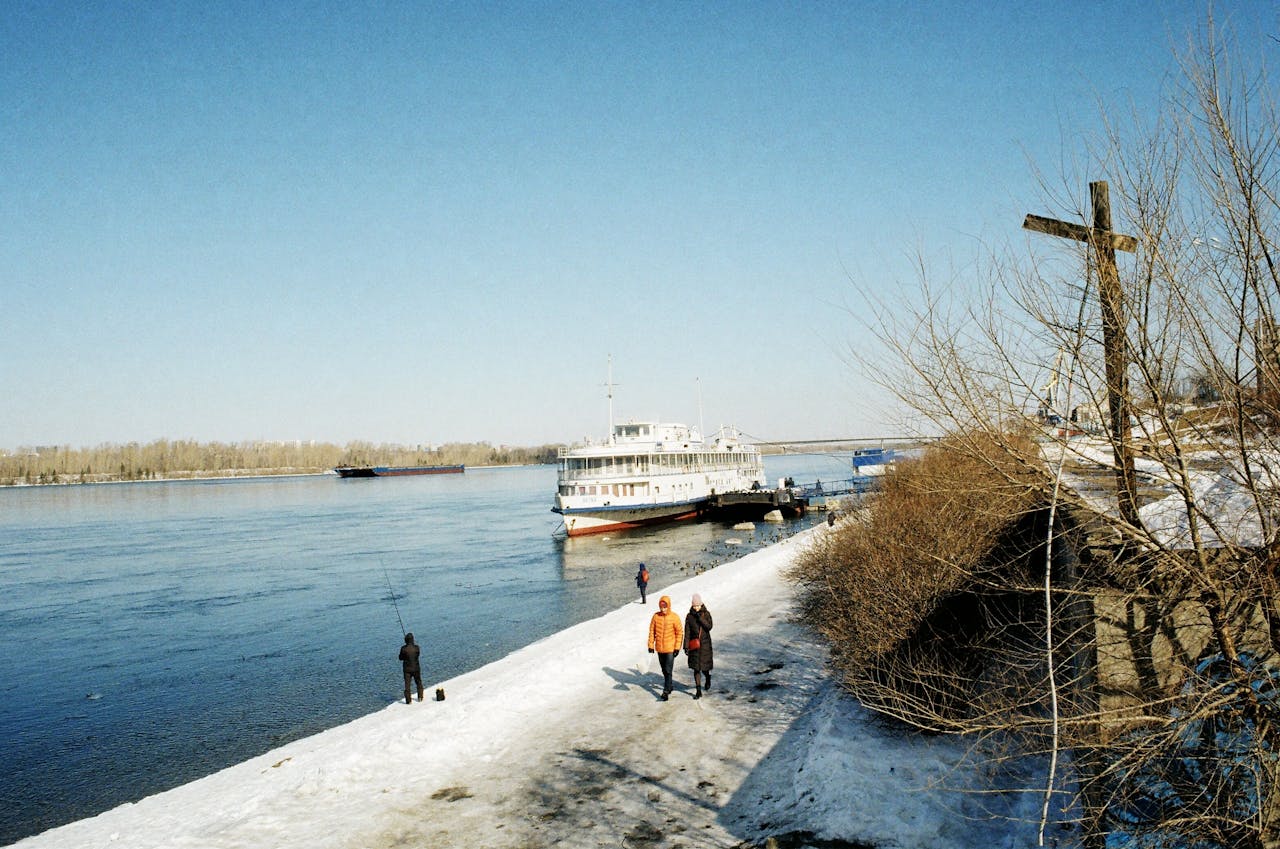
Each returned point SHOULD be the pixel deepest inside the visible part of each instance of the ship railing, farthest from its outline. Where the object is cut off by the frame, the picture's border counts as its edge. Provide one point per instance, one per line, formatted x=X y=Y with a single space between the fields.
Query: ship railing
x=653 y=471
x=849 y=486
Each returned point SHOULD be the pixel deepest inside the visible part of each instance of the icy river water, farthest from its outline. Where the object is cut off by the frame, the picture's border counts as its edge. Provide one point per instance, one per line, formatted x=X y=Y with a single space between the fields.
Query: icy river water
x=154 y=633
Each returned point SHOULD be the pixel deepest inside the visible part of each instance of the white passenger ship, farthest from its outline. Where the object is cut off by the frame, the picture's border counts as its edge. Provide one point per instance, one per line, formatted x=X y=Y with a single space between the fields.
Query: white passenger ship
x=649 y=472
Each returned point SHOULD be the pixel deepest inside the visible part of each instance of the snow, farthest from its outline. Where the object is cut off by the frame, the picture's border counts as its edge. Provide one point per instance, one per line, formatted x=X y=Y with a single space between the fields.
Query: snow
x=1099 y=452
x=1220 y=494
x=565 y=743
x=1221 y=499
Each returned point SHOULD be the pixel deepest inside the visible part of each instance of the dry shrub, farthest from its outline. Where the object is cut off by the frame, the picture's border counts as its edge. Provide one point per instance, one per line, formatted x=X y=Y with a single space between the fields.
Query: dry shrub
x=909 y=594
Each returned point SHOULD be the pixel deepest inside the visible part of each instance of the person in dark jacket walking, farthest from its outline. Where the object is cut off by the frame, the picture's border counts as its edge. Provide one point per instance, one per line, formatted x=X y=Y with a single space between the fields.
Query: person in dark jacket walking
x=697 y=644
x=409 y=655
x=642 y=581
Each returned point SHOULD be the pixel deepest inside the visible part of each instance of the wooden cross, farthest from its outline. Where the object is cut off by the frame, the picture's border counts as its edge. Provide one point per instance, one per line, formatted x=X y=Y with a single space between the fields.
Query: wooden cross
x=1114 y=342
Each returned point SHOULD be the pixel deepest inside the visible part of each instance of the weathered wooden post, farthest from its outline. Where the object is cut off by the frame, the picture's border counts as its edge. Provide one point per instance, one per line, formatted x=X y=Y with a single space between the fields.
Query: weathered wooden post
x=1114 y=341
x=1080 y=612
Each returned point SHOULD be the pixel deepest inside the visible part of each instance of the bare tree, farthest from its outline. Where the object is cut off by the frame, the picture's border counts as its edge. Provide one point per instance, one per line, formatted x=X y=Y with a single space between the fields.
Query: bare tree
x=1159 y=633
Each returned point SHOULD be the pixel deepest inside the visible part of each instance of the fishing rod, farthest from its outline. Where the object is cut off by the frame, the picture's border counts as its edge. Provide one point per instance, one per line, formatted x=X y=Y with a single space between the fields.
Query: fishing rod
x=387 y=575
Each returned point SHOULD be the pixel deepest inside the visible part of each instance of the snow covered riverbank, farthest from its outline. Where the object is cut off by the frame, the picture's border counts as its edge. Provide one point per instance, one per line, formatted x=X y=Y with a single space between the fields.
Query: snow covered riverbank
x=565 y=743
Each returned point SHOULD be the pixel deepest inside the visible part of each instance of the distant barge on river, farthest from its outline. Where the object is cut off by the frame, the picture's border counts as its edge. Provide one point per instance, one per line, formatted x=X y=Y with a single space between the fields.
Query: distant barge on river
x=396 y=471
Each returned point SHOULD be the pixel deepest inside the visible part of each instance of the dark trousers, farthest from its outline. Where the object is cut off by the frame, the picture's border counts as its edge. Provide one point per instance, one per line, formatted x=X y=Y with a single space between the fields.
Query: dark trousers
x=642 y=591
x=415 y=677
x=667 y=660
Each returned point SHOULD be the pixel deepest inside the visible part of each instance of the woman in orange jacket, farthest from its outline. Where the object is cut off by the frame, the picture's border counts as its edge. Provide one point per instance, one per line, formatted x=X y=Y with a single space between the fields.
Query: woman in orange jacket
x=665 y=634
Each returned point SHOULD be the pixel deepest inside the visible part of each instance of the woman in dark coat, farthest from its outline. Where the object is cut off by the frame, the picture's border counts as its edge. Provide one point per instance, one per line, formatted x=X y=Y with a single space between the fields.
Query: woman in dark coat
x=697 y=626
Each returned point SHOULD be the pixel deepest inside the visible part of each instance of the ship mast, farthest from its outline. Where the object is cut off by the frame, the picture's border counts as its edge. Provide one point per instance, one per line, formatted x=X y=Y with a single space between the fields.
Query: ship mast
x=609 y=387
x=702 y=433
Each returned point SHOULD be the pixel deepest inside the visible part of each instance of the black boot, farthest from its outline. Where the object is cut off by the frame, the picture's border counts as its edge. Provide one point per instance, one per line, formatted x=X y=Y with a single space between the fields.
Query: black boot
x=707 y=684
x=407 y=700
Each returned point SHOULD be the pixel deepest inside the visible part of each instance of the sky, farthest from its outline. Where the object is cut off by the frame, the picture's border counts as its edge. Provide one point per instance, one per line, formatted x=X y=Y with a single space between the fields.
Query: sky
x=430 y=222
x=773 y=748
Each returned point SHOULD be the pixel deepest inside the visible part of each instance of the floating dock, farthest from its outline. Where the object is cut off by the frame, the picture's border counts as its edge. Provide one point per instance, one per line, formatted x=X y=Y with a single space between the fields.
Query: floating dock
x=751 y=505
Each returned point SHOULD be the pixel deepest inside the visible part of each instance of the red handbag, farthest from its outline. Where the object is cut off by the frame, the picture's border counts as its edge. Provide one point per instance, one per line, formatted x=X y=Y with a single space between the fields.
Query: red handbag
x=695 y=644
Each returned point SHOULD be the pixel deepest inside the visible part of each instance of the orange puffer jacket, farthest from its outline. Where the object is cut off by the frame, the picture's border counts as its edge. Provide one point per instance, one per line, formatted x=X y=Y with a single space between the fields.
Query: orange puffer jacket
x=666 y=631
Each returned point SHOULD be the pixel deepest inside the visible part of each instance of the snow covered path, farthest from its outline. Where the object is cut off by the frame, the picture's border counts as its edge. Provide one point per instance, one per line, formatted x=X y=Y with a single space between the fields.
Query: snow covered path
x=564 y=743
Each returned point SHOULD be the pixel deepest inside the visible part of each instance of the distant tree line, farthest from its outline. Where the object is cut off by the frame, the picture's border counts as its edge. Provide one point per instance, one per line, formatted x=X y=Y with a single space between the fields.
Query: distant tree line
x=169 y=459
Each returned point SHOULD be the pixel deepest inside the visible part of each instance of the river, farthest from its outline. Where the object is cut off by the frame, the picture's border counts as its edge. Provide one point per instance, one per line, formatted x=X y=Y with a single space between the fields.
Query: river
x=157 y=632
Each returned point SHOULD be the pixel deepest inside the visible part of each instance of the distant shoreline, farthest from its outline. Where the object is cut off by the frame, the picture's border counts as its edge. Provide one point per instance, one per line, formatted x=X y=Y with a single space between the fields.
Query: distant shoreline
x=221 y=475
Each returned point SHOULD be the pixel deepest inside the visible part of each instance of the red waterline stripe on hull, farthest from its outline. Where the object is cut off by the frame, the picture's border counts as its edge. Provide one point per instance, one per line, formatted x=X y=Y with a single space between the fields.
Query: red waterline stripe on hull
x=623 y=526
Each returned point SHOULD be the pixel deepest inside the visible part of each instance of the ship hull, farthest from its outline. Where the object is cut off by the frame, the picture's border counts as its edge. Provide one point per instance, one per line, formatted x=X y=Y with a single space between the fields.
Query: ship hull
x=604 y=520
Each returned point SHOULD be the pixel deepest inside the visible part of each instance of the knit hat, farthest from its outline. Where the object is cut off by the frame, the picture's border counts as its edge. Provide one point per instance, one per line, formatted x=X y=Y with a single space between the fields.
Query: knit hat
x=697 y=600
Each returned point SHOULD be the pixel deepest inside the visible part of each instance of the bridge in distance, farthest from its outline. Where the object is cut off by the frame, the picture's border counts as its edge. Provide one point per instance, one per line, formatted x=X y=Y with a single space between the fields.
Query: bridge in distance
x=851 y=443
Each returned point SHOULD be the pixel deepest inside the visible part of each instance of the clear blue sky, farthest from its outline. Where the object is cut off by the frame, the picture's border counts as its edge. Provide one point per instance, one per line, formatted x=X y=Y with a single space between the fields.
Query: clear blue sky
x=434 y=222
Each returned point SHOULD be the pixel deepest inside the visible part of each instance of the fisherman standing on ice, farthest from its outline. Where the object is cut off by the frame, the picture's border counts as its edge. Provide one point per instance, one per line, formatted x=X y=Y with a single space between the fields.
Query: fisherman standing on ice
x=642 y=581
x=409 y=654
x=665 y=634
